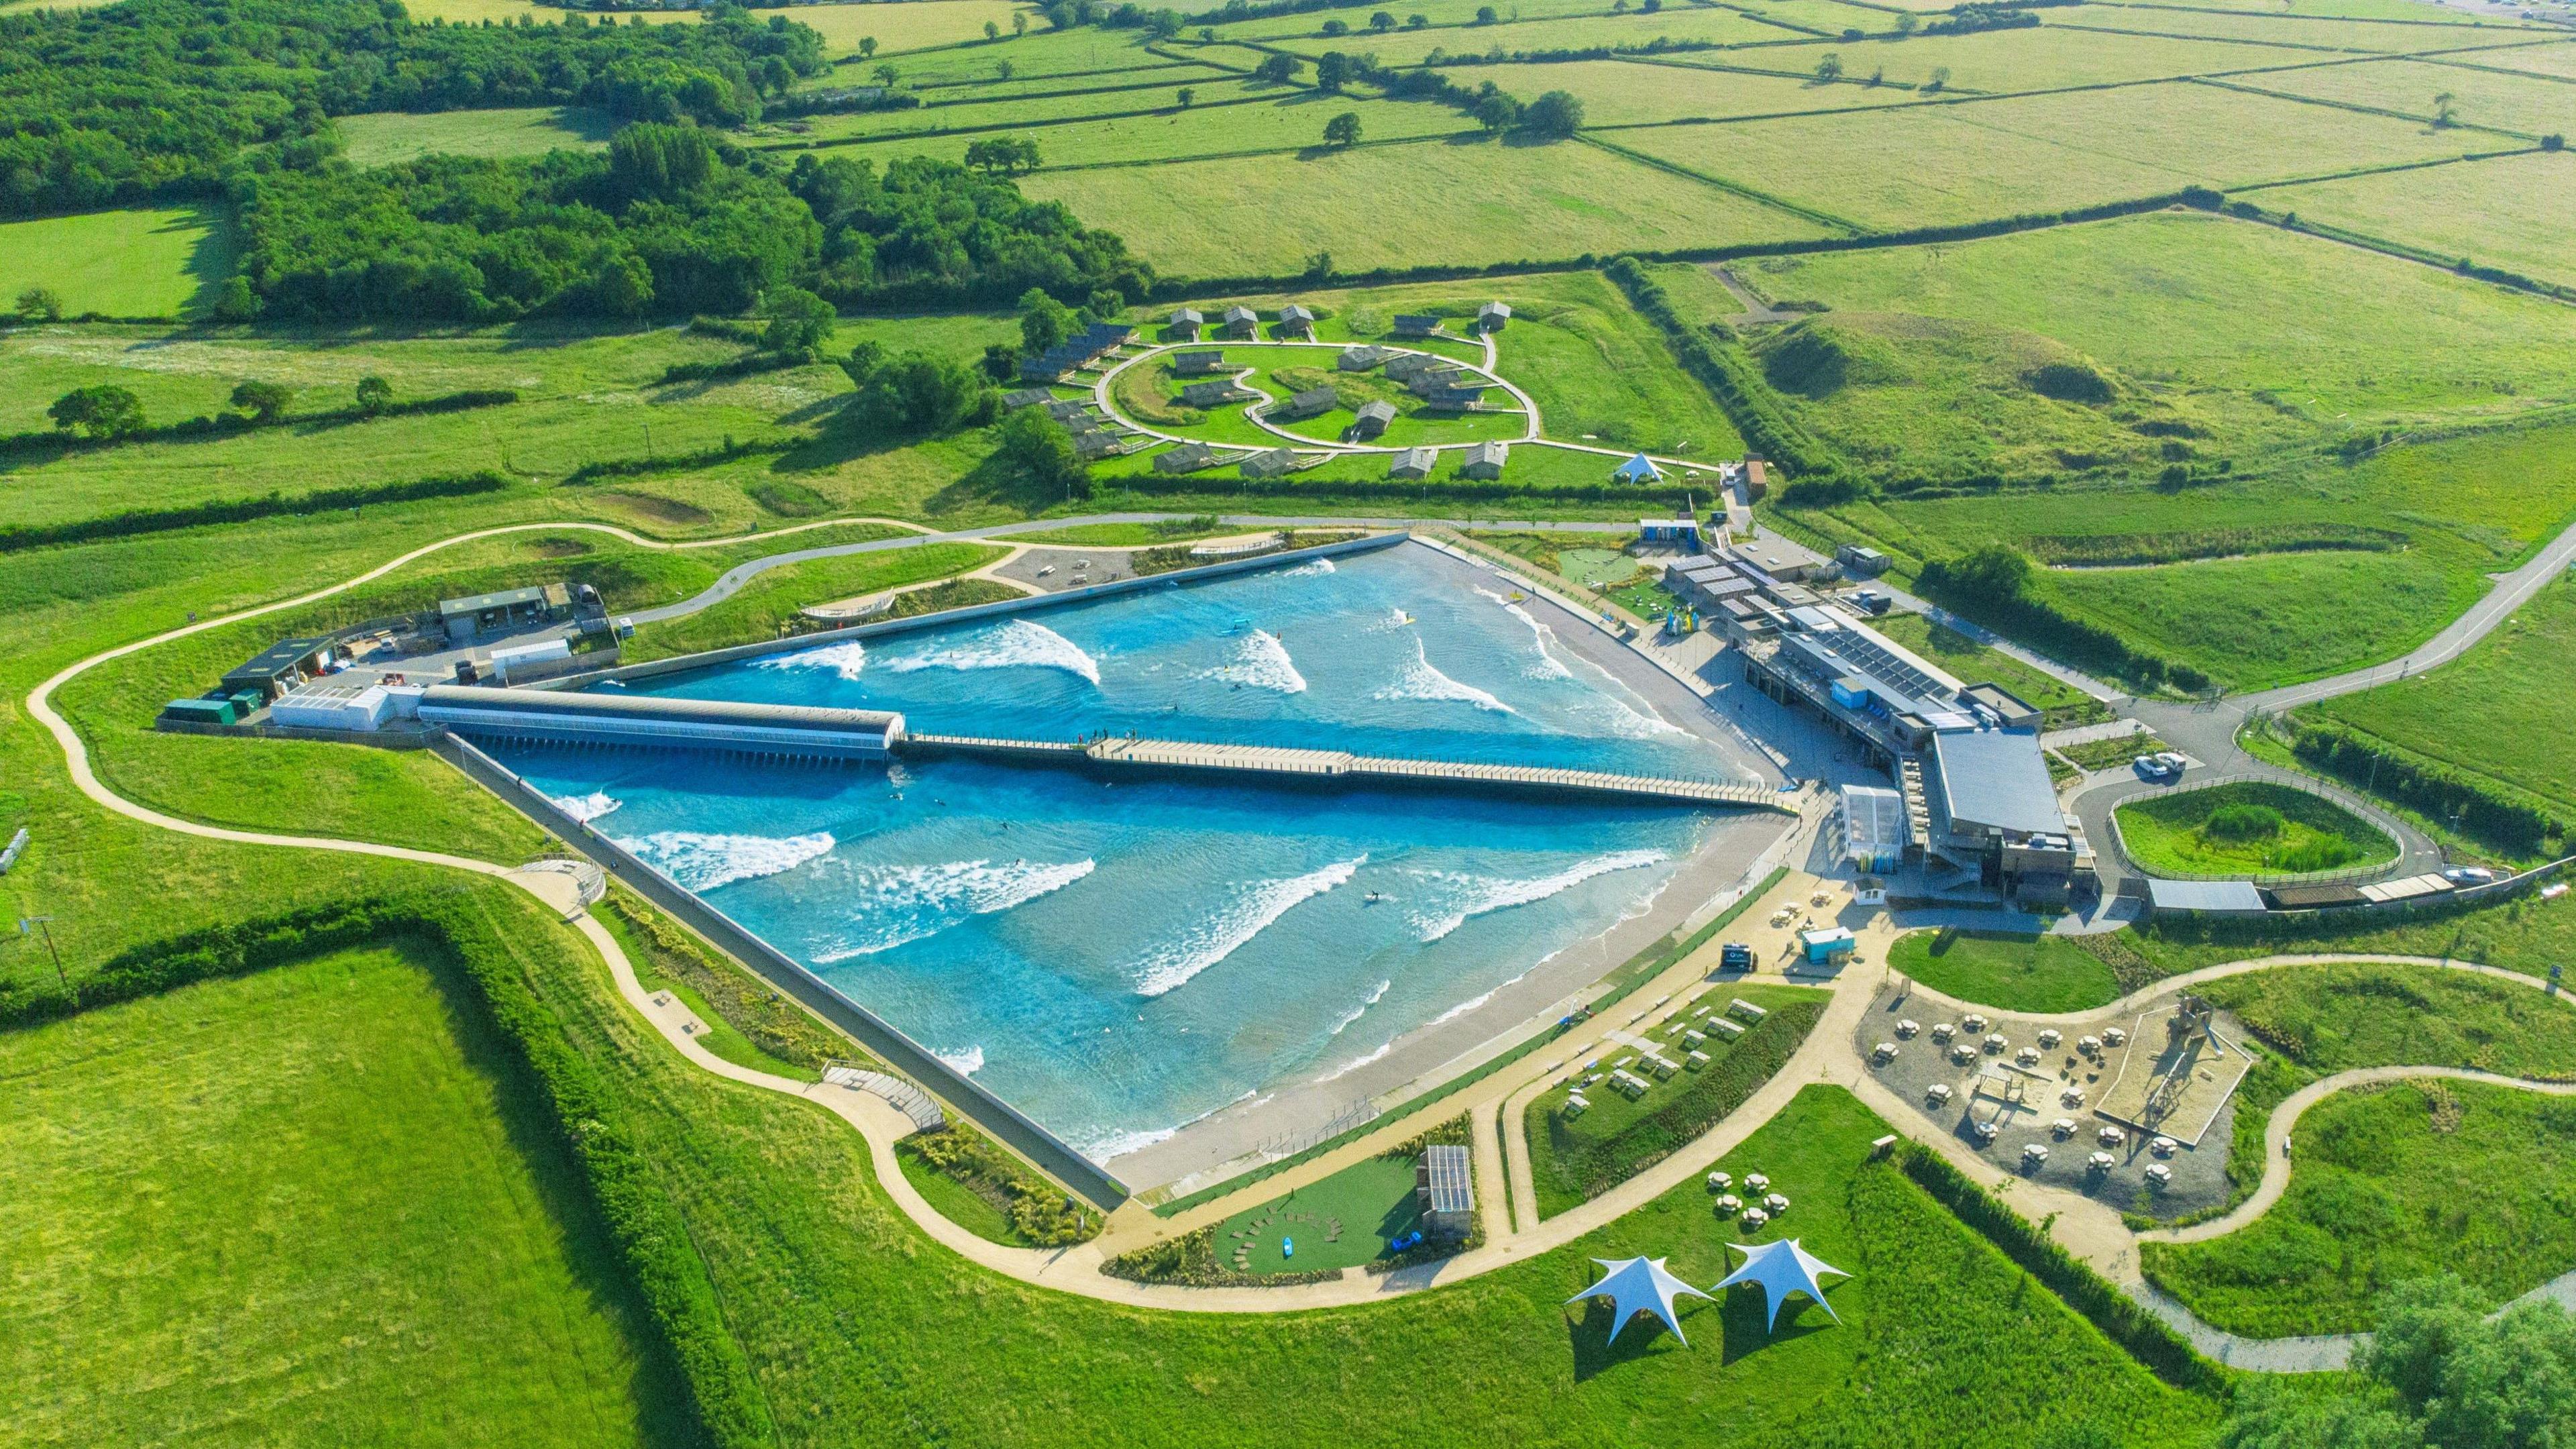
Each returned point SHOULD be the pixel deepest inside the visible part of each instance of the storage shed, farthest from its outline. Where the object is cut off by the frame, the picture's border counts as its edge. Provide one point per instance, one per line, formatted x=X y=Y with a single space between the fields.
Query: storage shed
x=1446 y=1189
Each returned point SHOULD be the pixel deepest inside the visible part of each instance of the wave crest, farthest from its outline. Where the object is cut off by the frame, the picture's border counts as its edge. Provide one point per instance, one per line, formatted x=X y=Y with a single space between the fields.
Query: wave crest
x=1421 y=680
x=1263 y=662
x=1250 y=913
x=704 y=862
x=1483 y=895
x=846 y=659
x=904 y=903
x=1012 y=644
x=587 y=808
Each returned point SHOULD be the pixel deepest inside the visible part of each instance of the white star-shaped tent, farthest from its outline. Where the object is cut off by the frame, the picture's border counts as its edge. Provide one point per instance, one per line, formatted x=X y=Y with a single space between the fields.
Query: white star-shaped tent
x=1782 y=1267
x=1639 y=469
x=1638 y=1285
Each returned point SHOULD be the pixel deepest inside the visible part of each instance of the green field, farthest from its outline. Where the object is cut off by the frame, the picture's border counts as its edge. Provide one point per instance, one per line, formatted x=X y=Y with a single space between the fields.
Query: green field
x=157 y=263
x=1574 y=1161
x=1481 y=203
x=2499 y=213
x=2393 y=1183
x=381 y=140
x=317 y=1205
x=2247 y=828
x=2489 y=713
x=2006 y=972
x=2336 y=1018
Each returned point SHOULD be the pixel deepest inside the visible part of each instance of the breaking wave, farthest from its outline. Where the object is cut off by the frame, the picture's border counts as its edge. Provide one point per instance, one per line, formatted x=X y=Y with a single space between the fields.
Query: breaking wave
x=1375 y=996
x=1251 y=912
x=1309 y=569
x=1262 y=662
x=703 y=862
x=1547 y=665
x=904 y=903
x=1420 y=680
x=967 y=1062
x=846 y=659
x=1016 y=643
x=586 y=808
x=1355 y=1063
x=1483 y=895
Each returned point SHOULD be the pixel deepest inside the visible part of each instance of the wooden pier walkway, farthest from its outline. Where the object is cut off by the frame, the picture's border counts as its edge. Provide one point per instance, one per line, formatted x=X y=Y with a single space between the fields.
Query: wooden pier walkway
x=1280 y=762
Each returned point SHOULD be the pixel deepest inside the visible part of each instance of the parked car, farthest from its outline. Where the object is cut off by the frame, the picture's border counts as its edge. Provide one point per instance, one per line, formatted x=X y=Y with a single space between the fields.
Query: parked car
x=2468 y=875
x=2153 y=767
x=1735 y=956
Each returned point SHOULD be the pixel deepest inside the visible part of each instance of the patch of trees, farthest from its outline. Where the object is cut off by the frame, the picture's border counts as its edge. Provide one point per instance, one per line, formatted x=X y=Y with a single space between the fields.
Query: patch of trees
x=1972 y=17
x=2438 y=1374
x=668 y=221
x=105 y=413
x=916 y=393
x=153 y=98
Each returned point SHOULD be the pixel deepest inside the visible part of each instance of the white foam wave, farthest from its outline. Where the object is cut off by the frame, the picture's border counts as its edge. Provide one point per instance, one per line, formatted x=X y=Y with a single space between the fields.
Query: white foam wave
x=1547 y=665
x=846 y=659
x=1251 y=912
x=1356 y=1012
x=1309 y=569
x=905 y=903
x=587 y=808
x=1109 y=1146
x=1262 y=662
x=1462 y=1008
x=703 y=862
x=1355 y=1063
x=1420 y=680
x=966 y=1062
x=1485 y=895
x=1015 y=643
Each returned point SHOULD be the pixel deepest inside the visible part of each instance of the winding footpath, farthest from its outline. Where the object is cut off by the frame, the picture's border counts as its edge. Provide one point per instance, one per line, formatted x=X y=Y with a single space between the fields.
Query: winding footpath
x=1496 y=1106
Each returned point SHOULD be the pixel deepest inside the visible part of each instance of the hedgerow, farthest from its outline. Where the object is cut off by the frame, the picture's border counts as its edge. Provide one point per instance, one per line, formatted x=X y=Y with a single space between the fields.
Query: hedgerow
x=1727 y=373
x=17 y=536
x=2482 y=808
x=2121 y=1318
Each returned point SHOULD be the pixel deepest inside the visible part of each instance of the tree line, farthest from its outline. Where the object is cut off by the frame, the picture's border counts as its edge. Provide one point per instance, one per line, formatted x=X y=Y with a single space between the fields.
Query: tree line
x=151 y=99
x=669 y=220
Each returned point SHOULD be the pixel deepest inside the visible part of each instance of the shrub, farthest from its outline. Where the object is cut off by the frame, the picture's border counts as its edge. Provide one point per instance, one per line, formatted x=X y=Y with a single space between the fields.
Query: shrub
x=2069 y=382
x=2244 y=822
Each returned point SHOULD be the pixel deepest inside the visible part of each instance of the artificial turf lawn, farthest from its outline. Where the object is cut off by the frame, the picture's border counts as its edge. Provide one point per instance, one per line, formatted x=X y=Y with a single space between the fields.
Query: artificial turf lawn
x=314 y=1205
x=2493 y=712
x=2006 y=972
x=1371 y=1201
x=2174 y=835
x=2393 y=1183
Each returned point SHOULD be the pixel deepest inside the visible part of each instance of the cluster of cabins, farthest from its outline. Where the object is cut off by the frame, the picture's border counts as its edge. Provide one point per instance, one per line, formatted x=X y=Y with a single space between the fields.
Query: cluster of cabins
x=1095 y=434
x=1085 y=349
x=1443 y=385
x=1239 y=323
x=1973 y=790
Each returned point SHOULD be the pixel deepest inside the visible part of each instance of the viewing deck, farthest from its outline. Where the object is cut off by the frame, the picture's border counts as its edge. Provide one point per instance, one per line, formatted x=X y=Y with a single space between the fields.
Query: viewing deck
x=1278 y=762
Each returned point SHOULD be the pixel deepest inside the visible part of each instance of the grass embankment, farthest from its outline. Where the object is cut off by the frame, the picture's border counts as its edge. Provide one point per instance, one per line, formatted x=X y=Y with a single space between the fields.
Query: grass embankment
x=1574 y=1162
x=2007 y=972
x=2492 y=714
x=768 y=606
x=2392 y=1183
x=2247 y=828
x=314 y=1205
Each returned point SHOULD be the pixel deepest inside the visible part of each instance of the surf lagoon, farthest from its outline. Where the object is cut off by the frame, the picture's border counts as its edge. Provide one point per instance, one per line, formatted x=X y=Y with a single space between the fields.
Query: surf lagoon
x=1123 y=959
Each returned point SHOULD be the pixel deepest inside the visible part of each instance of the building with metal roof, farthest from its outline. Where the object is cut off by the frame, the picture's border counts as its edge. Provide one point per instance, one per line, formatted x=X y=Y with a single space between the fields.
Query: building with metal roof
x=1485 y=460
x=1296 y=321
x=1361 y=359
x=1269 y=463
x=278 y=668
x=1312 y=401
x=1241 y=321
x=1216 y=392
x=1372 y=419
x=1027 y=397
x=1405 y=364
x=1184 y=458
x=1186 y=321
x=2204 y=897
x=648 y=720
x=1193 y=364
x=1492 y=316
x=1416 y=324
x=1447 y=1191
x=1413 y=463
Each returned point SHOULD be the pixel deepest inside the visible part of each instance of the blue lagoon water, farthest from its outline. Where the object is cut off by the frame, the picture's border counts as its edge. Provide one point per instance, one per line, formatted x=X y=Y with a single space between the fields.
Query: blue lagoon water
x=1120 y=957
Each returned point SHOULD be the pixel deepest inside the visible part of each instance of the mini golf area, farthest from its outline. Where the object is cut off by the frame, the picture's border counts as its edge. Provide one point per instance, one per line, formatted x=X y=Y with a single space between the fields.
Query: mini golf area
x=1341 y=1222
